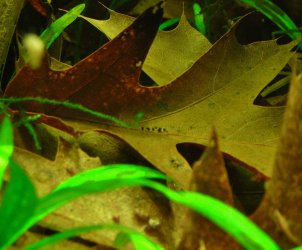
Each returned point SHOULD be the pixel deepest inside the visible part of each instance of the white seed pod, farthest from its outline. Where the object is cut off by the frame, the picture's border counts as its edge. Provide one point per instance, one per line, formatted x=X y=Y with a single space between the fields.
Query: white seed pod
x=34 y=49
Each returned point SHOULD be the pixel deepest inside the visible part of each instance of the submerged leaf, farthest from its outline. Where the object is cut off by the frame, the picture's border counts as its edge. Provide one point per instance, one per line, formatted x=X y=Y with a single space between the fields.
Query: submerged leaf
x=209 y=177
x=219 y=89
x=18 y=205
x=172 y=52
x=56 y=28
x=6 y=145
x=276 y=214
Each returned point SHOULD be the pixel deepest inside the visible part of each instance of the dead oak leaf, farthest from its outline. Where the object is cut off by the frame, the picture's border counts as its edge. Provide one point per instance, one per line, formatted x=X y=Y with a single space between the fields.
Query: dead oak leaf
x=118 y=61
x=209 y=177
x=47 y=174
x=219 y=89
x=171 y=54
x=135 y=207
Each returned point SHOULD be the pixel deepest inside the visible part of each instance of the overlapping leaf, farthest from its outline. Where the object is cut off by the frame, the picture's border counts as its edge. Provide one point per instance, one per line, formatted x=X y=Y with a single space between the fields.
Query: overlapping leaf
x=218 y=90
x=172 y=52
x=134 y=207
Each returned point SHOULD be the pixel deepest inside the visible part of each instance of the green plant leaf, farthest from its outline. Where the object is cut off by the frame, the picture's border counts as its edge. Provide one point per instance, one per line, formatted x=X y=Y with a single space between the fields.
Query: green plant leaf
x=240 y=227
x=96 y=180
x=276 y=15
x=70 y=105
x=92 y=181
x=122 y=175
x=18 y=205
x=229 y=219
x=169 y=23
x=6 y=145
x=55 y=29
x=140 y=238
x=297 y=248
x=199 y=18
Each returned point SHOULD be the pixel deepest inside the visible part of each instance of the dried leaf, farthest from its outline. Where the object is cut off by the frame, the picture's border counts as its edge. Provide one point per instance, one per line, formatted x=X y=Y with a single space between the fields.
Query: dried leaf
x=172 y=52
x=277 y=214
x=209 y=176
x=137 y=208
x=219 y=89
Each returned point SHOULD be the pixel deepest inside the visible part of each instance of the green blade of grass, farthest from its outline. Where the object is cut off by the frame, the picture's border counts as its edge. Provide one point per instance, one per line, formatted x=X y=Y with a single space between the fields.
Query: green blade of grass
x=56 y=28
x=18 y=205
x=66 y=104
x=229 y=219
x=138 y=240
x=123 y=175
x=6 y=145
x=169 y=23
x=51 y=240
x=276 y=15
x=92 y=181
x=199 y=19
x=96 y=180
x=111 y=172
x=241 y=228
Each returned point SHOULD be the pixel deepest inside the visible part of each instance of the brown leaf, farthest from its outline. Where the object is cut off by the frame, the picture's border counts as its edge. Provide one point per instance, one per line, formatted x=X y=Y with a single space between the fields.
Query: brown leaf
x=47 y=174
x=172 y=52
x=219 y=89
x=280 y=211
x=209 y=177
x=117 y=63
x=138 y=208
x=209 y=173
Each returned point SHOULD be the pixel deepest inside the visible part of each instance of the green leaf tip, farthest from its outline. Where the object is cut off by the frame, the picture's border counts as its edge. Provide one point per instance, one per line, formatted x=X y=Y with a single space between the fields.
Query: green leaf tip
x=277 y=16
x=49 y=35
x=6 y=145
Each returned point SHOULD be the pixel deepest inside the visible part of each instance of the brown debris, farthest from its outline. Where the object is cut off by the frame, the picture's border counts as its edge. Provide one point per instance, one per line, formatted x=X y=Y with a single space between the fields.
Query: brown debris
x=209 y=177
x=280 y=212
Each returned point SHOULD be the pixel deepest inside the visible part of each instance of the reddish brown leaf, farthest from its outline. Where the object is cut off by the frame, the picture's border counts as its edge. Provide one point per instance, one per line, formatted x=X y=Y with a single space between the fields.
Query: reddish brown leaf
x=209 y=173
x=209 y=177
x=115 y=67
x=39 y=7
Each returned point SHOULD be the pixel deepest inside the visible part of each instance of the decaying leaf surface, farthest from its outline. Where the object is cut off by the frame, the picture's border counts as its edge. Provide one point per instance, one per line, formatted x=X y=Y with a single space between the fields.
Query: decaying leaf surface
x=209 y=174
x=209 y=177
x=277 y=214
x=140 y=209
x=47 y=174
x=102 y=69
x=219 y=89
x=172 y=52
